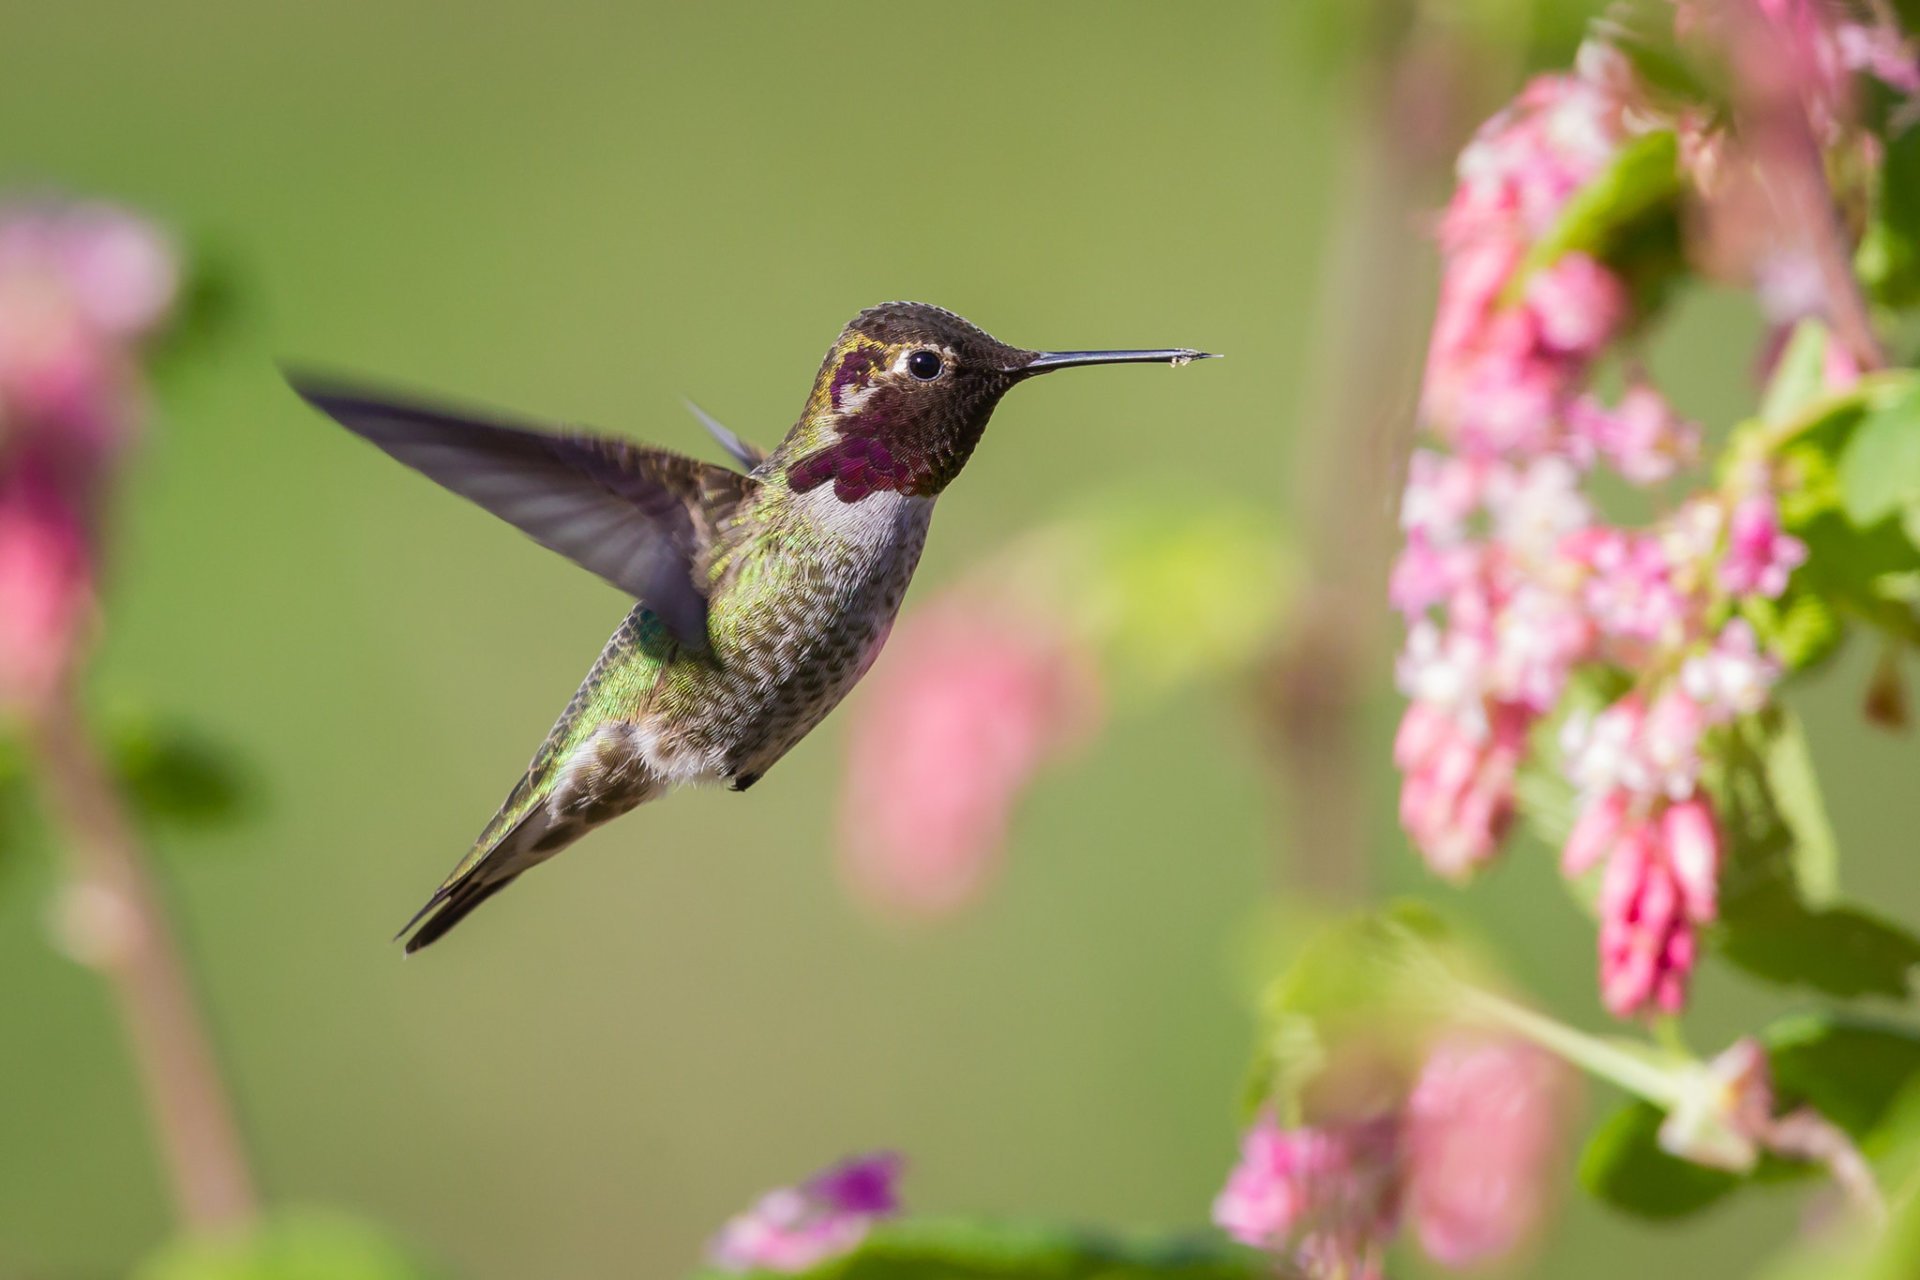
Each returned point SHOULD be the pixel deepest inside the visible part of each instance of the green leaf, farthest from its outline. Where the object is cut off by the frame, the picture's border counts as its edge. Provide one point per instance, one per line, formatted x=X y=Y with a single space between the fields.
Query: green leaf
x=211 y=304
x=1888 y=259
x=297 y=1245
x=1368 y=985
x=1623 y=1166
x=958 y=1250
x=175 y=774
x=1852 y=1070
x=1175 y=595
x=1841 y=951
x=1796 y=793
x=1626 y=216
x=1800 y=377
x=1880 y=469
x=1773 y=923
x=1801 y=628
x=15 y=797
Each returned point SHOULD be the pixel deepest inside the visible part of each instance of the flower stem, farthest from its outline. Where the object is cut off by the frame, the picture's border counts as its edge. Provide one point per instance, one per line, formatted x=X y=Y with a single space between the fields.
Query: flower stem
x=118 y=925
x=1591 y=1054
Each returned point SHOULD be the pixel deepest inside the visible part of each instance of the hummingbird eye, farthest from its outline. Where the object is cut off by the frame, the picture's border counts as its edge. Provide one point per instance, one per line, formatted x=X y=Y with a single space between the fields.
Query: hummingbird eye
x=925 y=365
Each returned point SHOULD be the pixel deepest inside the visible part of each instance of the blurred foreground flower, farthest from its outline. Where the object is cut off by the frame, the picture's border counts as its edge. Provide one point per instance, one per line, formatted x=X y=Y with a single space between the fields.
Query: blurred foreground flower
x=1465 y=1157
x=793 y=1229
x=980 y=690
x=970 y=700
x=82 y=288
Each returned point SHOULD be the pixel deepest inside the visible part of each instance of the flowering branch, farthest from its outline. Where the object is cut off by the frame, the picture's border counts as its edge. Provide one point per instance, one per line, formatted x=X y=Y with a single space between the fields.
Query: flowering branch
x=83 y=290
x=111 y=918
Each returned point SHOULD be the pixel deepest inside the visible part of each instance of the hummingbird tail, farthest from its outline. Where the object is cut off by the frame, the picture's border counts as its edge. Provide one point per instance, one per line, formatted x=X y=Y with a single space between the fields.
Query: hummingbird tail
x=450 y=910
x=512 y=843
x=563 y=795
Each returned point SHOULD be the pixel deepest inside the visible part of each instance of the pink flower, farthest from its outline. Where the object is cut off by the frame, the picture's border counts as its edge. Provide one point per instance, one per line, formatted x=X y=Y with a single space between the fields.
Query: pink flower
x=1641 y=438
x=1760 y=558
x=46 y=590
x=1733 y=678
x=1326 y=1196
x=1426 y=574
x=1456 y=793
x=81 y=286
x=1483 y=1128
x=794 y=1229
x=1577 y=305
x=1595 y=832
x=1658 y=886
x=970 y=701
x=1633 y=591
x=1882 y=52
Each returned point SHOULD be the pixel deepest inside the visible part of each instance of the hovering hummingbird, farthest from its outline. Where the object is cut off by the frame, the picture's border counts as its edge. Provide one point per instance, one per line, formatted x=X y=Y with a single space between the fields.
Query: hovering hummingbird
x=763 y=594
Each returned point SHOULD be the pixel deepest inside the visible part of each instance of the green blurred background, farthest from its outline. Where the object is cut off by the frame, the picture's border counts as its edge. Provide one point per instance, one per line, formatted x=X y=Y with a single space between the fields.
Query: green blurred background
x=591 y=211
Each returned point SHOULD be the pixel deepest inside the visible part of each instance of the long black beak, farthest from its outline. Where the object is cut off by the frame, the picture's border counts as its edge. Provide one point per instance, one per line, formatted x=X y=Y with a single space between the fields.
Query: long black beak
x=1048 y=361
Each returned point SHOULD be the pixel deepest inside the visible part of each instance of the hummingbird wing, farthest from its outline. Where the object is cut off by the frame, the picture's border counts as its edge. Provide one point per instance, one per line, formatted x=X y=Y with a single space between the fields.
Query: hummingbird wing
x=749 y=456
x=639 y=517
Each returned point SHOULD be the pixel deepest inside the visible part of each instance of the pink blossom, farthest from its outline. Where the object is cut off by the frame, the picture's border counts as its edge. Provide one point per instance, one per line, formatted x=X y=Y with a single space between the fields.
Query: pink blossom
x=1692 y=842
x=1577 y=305
x=1535 y=506
x=1668 y=761
x=46 y=589
x=1442 y=492
x=971 y=699
x=1642 y=437
x=1483 y=1129
x=1760 y=558
x=794 y=1229
x=1633 y=590
x=1515 y=580
x=1651 y=751
x=1595 y=831
x=1541 y=636
x=1658 y=887
x=1732 y=678
x=1880 y=51
x=81 y=287
x=1449 y=669
x=1456 y=792
x=1326 y=1196
x=1426 y=574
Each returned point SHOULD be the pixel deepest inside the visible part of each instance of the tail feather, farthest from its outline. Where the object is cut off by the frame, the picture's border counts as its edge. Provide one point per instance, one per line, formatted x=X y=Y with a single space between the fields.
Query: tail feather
x=450 y=909
x=510 y=845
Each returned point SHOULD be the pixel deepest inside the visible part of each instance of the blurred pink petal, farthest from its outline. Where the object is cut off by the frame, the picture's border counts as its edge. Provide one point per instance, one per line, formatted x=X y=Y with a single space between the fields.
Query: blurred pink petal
x=794 y=1229
x=1326 y=1197
x=46 y=592
x=1483 y=1128
x=969 y=702
x=1456 y=793
x=1760 y=557
x=1577 y=304
x=80 y=287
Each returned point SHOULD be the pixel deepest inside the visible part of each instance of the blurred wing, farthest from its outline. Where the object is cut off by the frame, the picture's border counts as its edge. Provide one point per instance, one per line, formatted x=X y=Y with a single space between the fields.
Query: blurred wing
x=749 y=456
x=638 y=517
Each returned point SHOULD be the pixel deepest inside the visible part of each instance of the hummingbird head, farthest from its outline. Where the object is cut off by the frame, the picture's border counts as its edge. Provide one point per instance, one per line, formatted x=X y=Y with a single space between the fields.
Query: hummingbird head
x=903 y=396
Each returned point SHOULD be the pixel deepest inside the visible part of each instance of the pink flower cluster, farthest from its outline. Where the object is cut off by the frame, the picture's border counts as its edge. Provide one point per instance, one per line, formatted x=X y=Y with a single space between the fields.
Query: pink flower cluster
x=972 y=697
x=1513 y=580
x=794 y=1229
x=1464 y=1158
x=81 y=288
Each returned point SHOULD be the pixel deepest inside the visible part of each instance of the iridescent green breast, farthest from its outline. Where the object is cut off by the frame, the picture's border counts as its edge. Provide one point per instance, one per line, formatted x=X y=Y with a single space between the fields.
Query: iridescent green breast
x=802 y=599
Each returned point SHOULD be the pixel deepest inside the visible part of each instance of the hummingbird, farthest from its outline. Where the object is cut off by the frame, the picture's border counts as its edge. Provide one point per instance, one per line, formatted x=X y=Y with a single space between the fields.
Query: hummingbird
x=762 y=594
